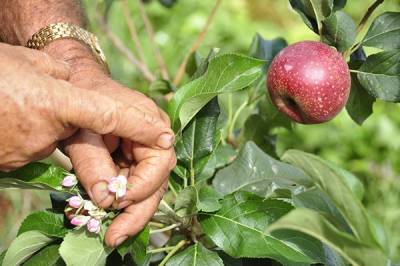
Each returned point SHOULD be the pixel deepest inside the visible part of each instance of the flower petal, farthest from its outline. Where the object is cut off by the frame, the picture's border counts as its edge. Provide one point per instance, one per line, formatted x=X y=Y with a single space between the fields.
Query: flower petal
x=80 y=220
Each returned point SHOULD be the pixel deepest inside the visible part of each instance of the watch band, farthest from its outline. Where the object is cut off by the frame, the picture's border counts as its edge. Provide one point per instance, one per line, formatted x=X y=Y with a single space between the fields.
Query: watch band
x=56 y=31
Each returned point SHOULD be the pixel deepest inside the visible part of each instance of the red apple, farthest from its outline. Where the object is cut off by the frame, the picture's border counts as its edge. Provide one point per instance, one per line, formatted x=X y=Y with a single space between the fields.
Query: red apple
x=309 y=81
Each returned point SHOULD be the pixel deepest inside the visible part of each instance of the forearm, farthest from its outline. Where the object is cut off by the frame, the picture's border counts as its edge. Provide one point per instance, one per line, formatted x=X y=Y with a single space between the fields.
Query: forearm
x=20 y=19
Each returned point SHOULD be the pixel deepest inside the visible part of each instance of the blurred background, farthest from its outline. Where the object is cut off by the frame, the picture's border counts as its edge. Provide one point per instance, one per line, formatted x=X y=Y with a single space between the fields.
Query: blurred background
x=371 y=151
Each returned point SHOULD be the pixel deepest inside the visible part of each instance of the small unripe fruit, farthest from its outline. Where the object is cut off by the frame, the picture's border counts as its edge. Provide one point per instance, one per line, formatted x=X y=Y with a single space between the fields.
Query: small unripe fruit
x=309 y=81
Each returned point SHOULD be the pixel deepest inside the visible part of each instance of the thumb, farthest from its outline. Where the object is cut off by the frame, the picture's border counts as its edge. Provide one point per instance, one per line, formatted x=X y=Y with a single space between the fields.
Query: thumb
x=90 y=110
x=45 y=63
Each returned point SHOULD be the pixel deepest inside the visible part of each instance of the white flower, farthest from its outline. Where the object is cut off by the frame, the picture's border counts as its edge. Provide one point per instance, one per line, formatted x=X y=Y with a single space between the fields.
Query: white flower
x=118 y=186
x=97 y=214
x=89 y=206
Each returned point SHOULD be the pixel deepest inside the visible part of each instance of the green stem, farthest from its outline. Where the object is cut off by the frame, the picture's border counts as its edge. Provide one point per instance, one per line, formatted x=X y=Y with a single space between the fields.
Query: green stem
x=158 y=250
x=235 y=117
x=171 y=187
x=166 y=209
x=155 y=224
x=172 y=226
x=172 y=252
x=192 y=175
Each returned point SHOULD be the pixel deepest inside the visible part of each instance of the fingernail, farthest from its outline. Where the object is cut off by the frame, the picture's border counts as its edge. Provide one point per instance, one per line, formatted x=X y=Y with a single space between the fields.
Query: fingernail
x=100 y=192
x=166 y=141
x=120 y=240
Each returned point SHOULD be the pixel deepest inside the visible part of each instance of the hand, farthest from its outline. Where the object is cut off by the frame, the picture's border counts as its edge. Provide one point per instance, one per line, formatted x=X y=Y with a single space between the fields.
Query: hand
x=148 y=167
x=40 y=109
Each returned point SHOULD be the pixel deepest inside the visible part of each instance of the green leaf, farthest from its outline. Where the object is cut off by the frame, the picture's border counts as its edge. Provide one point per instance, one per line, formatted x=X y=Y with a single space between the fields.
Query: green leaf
x=317 y=200
x=355 y=185
x=83 y=248
x=313 y=11
x=257 y=172
x=48 y=256
x=193 y=64
x=222 y=156
x=202 y=68
x=186 y=202
x=239 y=228
x=167 y=3
x=339 y=4
x=329 y=180
x=33 y=176
x=360 y=103
x=339 y=30
x=225 y=73
x=2 y=255
x=136 y=246
x=199 y=138
x=266 y=49
x=197 y=255
x=24 y=246
x=384 y=32
x=257 y=129
x=208 y=199
x=314 y=224
x=314 y=248
x=46 y=222
x=380 y=75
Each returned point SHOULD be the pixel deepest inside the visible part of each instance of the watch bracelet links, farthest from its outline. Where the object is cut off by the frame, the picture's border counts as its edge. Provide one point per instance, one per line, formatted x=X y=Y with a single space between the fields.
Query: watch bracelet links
x=57 y=31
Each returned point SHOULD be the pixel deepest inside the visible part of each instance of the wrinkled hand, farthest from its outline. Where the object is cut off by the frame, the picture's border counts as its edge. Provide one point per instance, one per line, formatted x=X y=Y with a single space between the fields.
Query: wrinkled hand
x=146 y=166
x=39 y=108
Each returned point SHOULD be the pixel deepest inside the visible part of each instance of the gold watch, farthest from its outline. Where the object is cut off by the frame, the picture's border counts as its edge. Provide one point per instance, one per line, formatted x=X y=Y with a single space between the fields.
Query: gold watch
x=56 y=31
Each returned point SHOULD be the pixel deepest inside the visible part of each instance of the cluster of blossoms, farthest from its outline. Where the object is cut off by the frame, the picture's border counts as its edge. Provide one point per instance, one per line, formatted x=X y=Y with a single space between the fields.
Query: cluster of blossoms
x=84 y=212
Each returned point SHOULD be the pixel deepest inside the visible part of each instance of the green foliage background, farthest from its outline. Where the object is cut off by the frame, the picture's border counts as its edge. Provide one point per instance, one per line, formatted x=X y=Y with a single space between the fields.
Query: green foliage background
x=371 y=151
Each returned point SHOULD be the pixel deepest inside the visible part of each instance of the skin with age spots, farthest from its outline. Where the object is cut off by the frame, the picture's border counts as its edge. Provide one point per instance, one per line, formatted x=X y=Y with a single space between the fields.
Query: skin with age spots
x=309 y=81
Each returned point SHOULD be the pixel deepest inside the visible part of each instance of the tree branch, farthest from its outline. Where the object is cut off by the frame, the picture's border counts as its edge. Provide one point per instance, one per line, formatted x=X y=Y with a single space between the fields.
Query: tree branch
x=133 y=32
x=196 y=44
x=149 y=29
x=124 y=50
x=370 y=10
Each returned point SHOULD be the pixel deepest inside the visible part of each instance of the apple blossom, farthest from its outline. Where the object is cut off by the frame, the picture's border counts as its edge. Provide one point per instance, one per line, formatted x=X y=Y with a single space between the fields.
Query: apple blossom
x=89 y=206
x=94 y=225
x=118 y=186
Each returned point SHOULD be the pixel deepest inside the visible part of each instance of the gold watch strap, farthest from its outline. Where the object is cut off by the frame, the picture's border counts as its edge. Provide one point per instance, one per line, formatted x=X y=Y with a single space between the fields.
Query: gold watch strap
x=56 y=31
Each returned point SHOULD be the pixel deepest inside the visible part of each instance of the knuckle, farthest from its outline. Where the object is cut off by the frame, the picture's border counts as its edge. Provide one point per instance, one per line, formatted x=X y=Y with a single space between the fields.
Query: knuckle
x=110 y=120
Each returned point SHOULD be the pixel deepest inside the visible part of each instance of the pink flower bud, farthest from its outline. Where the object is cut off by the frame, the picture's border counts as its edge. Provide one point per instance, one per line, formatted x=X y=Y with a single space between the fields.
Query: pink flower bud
x=94 y=226
x=118 y=186
x=69 y=181
x=80 y=220
x=75 y=202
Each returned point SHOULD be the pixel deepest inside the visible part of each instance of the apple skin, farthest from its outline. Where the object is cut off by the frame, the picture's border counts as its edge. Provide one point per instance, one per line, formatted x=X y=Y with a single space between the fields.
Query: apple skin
x=309 y=82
